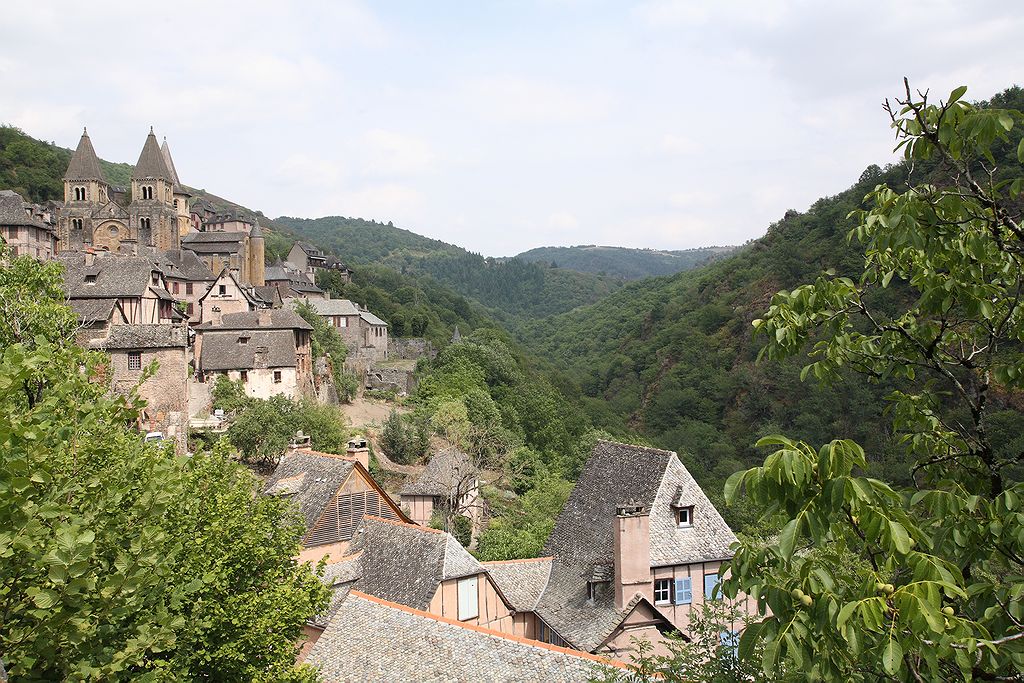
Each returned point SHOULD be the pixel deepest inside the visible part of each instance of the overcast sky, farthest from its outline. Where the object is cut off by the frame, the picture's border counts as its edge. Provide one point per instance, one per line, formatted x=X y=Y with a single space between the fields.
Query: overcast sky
x=502 y=126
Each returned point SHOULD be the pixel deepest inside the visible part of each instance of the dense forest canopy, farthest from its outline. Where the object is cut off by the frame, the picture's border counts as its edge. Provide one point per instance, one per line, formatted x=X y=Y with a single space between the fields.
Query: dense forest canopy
x=510 y=286
x=624 y=263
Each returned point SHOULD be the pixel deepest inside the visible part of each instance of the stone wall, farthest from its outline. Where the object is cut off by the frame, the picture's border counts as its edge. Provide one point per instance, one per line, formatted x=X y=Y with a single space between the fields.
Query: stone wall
x=411 y=348
x=378 y=377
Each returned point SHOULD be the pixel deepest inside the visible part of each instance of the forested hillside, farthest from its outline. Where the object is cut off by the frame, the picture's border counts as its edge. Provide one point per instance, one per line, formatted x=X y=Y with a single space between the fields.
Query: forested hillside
x=674 y=357
x=512 y=286
x=621 y=262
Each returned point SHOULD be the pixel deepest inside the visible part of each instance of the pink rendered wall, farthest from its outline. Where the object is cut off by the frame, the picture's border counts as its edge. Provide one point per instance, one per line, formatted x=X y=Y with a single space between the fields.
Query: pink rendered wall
x=680 y=614
x=493 y=612
x=632 y=557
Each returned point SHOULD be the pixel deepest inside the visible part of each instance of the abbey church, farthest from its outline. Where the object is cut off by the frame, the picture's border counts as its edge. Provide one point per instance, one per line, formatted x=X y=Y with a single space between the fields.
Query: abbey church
x=151 y=216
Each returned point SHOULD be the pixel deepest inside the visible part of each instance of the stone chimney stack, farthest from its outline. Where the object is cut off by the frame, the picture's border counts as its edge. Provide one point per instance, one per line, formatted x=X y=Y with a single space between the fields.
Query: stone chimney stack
x=263 y=315
x=632 y=553
x=90 y=257
x=358 y=449
x=215 y=315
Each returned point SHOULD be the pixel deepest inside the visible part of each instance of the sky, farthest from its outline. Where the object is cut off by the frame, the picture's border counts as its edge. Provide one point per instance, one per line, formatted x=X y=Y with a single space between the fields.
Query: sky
x=502 y=126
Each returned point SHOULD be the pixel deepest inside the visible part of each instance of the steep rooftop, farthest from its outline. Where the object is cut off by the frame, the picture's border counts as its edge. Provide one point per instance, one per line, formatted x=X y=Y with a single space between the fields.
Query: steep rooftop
x=84 y=164
x=151 y=163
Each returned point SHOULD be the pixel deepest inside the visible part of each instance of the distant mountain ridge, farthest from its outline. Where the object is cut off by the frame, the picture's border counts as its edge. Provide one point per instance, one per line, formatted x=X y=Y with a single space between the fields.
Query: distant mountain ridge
x=512 y=286
x=624 y=262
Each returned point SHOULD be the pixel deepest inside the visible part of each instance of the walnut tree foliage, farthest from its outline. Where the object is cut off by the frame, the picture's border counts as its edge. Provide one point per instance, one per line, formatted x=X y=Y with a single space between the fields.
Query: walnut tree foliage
x=865 y=581
x=118 y=560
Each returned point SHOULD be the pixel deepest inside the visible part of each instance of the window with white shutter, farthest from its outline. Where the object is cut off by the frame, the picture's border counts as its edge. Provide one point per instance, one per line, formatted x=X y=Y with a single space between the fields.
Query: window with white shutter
x=469 y=607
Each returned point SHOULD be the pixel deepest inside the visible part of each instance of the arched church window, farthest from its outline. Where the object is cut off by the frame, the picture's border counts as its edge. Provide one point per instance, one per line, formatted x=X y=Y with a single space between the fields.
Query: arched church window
x=76 y=223
x=144 y=223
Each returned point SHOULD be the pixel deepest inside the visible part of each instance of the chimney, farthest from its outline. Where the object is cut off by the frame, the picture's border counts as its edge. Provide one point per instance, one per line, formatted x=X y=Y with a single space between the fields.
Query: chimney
x=263 y=315
x=215 y=315
x=300 y=440
x=357 y=449
x=90 y=258
x=632 y=553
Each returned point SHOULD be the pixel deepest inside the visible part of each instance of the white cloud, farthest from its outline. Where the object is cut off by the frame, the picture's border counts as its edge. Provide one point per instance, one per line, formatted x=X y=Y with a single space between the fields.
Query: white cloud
x=562 y=220
x=513 y=99
x=392 y=153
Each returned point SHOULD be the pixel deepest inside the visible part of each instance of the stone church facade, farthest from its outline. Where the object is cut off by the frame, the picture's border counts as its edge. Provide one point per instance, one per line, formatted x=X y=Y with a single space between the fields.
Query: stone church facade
x=150 y=216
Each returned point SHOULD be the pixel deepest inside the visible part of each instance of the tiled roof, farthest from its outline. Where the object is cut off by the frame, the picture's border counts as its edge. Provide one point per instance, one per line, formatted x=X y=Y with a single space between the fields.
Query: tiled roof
x=323 y=476
x=142 y=337
x=262 y=349
x=183 y=264
x=582 y=539
x=369 y=639
x=84 y=164
x=151 y=163
x=328 y=306
x=522 y=582
x=12 y=210
x=405 y=563
x=448 y=472
x=371 y=318
x=275 y=318
x=115 y=275
x=92 y=310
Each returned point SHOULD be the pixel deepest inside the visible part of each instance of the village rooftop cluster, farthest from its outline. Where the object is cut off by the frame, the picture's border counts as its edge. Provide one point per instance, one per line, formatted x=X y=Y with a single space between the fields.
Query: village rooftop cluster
x=153 y=273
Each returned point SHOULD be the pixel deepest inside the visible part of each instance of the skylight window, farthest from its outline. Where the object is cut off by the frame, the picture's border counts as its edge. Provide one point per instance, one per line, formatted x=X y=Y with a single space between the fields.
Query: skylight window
x=684 y=516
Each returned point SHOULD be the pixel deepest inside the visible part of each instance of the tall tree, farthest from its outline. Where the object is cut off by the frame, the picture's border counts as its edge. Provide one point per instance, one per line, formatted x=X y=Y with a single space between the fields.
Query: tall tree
x=119 y=561
x=866 y=582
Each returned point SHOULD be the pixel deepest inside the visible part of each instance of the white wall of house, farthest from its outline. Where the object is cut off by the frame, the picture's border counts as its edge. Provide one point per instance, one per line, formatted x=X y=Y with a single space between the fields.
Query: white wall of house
x=261 y=383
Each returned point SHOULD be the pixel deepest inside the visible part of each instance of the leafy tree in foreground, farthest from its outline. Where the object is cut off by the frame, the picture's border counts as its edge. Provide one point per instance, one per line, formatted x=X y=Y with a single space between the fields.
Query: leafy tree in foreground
x=119 y=561
x=865 y=582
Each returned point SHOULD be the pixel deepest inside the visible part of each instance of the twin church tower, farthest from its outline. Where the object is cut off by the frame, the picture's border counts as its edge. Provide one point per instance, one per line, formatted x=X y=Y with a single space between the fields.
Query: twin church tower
x=152 y=215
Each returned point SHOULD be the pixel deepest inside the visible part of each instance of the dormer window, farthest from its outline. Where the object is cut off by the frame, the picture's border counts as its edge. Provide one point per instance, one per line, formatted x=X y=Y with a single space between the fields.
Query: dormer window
x=684 y=516
x=90 y=279
x=243 y=340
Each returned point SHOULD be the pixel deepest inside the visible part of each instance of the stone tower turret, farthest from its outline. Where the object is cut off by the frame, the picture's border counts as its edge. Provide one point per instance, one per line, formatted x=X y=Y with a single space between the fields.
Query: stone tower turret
x=152 y=209
x=256 y=255
x=85 y=189
x=181 y=195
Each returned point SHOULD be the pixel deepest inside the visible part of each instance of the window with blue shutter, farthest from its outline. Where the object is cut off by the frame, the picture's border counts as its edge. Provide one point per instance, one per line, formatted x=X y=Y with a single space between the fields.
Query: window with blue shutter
x=684 y=591
x=710 y=581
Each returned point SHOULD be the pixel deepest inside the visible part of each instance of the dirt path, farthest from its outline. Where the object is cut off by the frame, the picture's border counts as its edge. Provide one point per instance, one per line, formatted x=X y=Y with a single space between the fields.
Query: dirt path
x=364 y=412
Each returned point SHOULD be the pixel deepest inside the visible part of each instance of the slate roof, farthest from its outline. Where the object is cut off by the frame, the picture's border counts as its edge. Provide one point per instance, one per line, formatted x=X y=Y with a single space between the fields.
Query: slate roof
x=582 y=539
x=329 y=306
x=84 y=164
x=323 y=476
x=12 y=210
x=165 y=152
x=309 y=250
x=371 y=640
x=151 y=163
x=92 y=310
x=449 y=471
x=522 y=582
x=274 y=273
x=214 y=241
x=275 y=318
x=264 y=349
x=405 y=563
x=371 y=318
x=183 y=264
x=116 y=275
x=142 y=337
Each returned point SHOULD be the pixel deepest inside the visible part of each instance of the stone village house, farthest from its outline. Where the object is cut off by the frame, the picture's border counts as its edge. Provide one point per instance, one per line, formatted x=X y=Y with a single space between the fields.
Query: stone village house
x=23 y=230
x=449 y=483
x=613 y=572
x=268 y=350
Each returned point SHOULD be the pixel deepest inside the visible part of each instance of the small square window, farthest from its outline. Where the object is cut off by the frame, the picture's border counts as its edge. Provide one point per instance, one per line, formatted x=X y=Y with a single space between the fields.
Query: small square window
x=222 y=289
x=244 y=376
x=662 y=591
x=134 y=360
x=277 y=376
x=174 y=286
x=684 y=516
x=188 y=287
